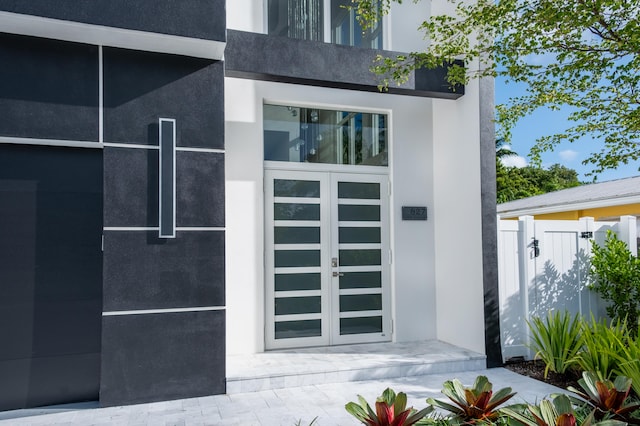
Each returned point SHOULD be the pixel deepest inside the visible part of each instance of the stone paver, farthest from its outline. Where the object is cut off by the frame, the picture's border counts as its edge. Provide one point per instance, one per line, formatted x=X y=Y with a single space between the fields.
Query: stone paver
x=273 y=407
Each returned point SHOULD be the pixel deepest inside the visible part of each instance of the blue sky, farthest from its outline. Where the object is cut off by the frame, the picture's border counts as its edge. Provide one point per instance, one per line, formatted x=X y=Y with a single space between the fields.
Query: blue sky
x=546 y=122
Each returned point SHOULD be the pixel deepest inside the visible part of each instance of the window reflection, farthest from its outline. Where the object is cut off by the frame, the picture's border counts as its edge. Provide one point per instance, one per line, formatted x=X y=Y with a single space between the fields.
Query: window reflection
x=301 y=19
x=312 y=135
x=304 y=19
x=347 y=30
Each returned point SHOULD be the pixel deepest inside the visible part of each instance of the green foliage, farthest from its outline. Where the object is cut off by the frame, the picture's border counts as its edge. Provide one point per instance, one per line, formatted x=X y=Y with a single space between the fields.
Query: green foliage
x=475 y=405
x=557 y=340
x=557 y=412
x=608 y=399
x=616 y=277
x=603 y=344
x=628 y=359
x=503 y=150
x=390 y=410
x=579 y=54
x=514 y=183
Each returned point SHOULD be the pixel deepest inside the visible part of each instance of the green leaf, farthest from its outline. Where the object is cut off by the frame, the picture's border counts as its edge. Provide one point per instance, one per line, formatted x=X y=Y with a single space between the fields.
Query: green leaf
x=572 y=55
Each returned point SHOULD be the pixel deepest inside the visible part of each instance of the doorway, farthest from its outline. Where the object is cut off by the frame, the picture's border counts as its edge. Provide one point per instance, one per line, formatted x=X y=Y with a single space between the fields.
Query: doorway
x=327 y=258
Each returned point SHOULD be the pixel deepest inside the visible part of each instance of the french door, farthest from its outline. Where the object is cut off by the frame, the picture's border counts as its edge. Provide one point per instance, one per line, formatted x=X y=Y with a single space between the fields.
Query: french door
x=327 y=258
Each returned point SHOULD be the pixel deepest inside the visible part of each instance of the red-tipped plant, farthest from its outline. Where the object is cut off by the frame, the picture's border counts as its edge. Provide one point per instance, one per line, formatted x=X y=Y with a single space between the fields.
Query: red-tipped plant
x=606 y=397
x=477 y=404
x=391 y=410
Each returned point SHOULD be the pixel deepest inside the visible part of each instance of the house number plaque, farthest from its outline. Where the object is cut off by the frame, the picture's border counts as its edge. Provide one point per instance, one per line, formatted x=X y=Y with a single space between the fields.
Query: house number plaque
x=414 y=213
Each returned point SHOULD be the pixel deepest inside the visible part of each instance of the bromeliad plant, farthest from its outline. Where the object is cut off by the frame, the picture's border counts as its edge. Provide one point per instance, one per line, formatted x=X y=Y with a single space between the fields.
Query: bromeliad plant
x=390 y=410
x=475 y=405
x=608 y=399
x=557 y=412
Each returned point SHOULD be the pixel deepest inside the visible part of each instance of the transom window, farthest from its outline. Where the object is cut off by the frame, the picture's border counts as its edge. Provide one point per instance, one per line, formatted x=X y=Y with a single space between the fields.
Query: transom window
x=312 y=135
x=305 y=19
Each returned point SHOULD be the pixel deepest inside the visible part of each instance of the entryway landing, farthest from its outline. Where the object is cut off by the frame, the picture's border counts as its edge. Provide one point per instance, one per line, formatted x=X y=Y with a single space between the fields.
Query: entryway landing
x=347 y=363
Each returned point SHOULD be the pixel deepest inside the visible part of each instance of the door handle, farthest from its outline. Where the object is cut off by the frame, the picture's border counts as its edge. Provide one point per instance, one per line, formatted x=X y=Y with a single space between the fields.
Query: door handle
x=337 y=274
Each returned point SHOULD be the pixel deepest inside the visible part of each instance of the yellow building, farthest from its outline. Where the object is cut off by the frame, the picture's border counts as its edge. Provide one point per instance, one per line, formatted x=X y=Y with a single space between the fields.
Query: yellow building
x=601 y=201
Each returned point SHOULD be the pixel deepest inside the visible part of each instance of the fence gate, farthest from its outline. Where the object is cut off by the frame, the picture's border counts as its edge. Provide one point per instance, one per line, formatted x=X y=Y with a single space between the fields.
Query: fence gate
x=544 y=265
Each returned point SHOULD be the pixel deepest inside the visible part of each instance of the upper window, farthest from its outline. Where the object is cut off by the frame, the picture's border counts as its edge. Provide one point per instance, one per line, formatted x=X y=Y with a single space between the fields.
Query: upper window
x=305 y=19
x=312 y=135
x=347 y=30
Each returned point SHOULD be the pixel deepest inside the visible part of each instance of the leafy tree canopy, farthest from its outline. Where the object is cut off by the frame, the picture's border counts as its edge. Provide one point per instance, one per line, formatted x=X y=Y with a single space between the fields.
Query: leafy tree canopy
x=580 y=54
x=514 y=183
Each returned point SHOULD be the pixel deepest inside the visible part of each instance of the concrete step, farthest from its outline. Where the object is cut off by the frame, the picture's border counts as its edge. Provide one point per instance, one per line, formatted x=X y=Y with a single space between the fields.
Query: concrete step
x=348 y=363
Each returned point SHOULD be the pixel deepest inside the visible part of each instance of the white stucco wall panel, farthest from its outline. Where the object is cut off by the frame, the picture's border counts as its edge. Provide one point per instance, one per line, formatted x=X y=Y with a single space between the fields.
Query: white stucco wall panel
x=244 y=218
x=403 y=22
x=413 y=243
x=457 y=214
x=246 y=15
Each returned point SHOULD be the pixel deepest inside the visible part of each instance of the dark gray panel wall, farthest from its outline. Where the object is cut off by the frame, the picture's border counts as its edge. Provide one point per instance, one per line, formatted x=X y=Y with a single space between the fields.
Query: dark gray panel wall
x=131 y=188
x=189 y=18
x=48 y=89
x=200 y=189
x=141 y=87
x=287 y=60
x=50 y=275
x=147 y=272
x=181 y=353
x=167 y=356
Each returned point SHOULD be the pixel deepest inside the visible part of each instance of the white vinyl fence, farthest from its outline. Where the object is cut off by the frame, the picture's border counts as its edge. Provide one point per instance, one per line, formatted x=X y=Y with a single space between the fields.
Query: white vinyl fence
x=543 y=265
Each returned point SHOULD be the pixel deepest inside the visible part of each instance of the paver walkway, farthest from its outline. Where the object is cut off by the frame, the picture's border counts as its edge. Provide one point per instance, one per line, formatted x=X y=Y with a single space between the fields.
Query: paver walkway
x=273 y=407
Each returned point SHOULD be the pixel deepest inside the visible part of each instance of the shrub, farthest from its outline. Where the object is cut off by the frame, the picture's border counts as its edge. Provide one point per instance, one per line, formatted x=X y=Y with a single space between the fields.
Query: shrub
x=615 y=274
x=556 y=341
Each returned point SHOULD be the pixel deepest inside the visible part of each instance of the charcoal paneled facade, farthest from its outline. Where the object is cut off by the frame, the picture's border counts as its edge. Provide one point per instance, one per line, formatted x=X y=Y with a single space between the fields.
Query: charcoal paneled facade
x=94 y=303
x=184 y=181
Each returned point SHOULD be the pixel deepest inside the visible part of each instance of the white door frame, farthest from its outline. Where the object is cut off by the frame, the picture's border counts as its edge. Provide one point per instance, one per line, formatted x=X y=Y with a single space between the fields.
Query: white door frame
x=328 y=176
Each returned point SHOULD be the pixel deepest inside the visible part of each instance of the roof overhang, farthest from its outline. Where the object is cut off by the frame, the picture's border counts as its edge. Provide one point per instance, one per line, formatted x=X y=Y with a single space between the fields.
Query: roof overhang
x=559 y=208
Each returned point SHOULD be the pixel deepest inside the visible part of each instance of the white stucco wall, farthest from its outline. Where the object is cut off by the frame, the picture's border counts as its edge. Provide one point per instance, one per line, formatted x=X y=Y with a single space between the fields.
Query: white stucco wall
x=403 y=22
x=457 y=213
x=246 y=15
x=436 y=275
x=412 y=242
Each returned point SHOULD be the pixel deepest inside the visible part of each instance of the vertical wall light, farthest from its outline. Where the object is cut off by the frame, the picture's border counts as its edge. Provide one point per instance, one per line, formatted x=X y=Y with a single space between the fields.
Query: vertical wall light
x=167 y=178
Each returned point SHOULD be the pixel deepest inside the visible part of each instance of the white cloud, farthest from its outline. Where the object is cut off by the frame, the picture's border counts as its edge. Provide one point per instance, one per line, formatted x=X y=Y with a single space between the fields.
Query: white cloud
x=568 y=155
x=514 y=161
